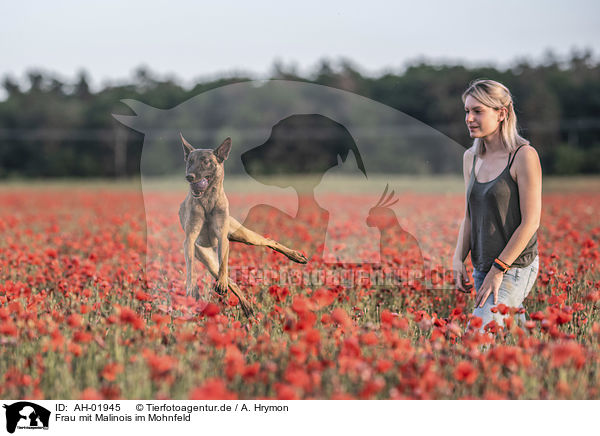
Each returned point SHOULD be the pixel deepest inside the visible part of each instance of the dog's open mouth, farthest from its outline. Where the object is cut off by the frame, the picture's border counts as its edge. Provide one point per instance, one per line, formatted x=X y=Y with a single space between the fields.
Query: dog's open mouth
x=199 y=187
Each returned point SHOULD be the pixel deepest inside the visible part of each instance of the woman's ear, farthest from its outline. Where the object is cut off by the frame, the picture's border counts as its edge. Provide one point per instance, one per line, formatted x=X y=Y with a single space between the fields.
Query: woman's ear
x=502 y=114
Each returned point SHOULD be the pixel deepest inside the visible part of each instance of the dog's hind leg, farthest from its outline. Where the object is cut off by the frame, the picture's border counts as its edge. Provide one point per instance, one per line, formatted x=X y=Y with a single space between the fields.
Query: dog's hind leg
x=208 y=257
x=239 y=233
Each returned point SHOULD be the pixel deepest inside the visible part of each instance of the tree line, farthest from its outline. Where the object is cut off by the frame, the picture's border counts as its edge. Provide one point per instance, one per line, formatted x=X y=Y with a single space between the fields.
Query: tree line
x=51 y=128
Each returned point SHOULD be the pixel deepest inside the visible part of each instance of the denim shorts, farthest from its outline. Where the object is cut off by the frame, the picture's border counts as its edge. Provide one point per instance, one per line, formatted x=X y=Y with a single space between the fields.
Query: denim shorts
x=516 y=285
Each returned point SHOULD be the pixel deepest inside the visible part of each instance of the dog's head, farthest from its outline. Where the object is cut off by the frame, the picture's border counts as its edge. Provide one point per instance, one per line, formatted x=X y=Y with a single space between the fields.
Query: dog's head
x=204 y=167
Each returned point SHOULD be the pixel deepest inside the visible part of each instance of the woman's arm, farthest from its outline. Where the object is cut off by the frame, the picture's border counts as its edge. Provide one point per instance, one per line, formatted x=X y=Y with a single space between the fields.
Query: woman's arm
x=464 y=239
x=463 y=243
x=529 y=180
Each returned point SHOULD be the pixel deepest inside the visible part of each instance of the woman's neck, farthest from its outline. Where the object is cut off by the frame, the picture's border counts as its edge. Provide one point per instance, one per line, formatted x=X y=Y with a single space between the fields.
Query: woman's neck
x=493 y=143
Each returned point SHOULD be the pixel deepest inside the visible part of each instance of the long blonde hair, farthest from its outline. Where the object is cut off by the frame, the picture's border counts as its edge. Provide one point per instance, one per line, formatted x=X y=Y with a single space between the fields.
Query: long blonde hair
x=496 y=96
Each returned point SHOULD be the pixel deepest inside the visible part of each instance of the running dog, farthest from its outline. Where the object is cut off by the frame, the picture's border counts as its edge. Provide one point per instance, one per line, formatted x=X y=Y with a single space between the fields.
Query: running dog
x=204 y=217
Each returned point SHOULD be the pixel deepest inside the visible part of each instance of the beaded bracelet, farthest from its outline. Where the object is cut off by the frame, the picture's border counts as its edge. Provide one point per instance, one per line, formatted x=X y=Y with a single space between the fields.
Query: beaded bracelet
x=501 y=265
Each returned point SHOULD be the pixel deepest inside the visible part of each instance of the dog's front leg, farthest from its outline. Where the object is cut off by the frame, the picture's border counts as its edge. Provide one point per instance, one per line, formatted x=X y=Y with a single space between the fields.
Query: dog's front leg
x=223 y=254
x=191 y=278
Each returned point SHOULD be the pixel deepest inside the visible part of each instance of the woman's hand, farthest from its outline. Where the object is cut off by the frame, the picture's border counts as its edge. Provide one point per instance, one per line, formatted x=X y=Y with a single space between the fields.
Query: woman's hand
x=491 y=283
x=461 y=277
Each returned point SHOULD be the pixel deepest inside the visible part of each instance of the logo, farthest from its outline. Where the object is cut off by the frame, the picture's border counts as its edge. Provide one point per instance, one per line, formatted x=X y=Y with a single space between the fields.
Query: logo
x=316 y=160
x=26 y=415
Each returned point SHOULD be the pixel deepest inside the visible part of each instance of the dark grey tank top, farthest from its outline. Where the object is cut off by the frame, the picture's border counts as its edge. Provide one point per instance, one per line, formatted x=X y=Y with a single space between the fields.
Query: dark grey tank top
x=495 y=214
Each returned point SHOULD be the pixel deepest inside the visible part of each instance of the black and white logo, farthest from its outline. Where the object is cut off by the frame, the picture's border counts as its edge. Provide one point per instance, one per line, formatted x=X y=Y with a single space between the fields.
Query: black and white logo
x=26 y=415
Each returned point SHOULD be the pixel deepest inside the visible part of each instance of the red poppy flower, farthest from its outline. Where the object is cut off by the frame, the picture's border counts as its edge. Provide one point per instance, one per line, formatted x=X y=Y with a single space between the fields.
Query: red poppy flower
x=111 y=370
x=340 y=316
x=212 y=389
x=465 y=371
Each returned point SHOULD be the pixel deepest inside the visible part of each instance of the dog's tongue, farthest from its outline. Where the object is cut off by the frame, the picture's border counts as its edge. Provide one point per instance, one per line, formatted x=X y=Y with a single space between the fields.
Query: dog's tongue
x=200 y=185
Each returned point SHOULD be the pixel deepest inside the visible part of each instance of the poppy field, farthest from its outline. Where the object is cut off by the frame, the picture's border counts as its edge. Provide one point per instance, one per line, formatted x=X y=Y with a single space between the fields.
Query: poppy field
x=84 y=316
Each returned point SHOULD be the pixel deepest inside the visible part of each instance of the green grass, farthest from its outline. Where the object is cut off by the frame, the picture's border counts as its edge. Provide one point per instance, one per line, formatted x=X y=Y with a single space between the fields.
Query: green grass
x=342 y=184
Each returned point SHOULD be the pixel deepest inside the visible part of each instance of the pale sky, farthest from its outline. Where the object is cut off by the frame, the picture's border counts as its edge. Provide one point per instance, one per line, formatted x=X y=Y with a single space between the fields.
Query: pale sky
x=193 y=40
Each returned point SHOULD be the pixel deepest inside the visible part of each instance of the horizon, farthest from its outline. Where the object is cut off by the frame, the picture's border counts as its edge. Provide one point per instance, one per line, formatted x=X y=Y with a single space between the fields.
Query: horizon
x=549 y=56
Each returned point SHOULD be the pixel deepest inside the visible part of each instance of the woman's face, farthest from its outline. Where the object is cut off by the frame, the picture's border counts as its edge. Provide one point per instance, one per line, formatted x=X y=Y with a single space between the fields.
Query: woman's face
x=482 y=121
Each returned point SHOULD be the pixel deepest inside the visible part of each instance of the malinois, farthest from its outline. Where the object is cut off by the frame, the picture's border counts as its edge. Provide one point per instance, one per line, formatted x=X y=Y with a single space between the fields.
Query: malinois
x=204 y=217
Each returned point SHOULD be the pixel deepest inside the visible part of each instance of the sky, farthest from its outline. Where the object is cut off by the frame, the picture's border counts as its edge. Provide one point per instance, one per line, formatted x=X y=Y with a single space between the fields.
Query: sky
x=194 y=40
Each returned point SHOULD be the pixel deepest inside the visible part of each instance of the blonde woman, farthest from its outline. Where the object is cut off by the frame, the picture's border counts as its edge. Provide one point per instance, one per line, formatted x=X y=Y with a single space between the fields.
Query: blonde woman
x=503 y=183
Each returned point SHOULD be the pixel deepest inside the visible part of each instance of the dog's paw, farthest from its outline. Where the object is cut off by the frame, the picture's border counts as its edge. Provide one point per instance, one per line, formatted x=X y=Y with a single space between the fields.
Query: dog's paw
x=221 y=287
x=296 y=256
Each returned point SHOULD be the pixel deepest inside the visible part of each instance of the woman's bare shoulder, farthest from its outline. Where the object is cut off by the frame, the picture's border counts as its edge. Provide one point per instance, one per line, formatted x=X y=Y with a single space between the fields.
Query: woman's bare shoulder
x=468 y=156
x=527 y=164
x=468 y=161
x=527 y=155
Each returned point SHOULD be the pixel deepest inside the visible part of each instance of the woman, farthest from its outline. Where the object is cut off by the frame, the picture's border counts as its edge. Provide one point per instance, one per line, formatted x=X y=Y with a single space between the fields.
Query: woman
x=503 y=183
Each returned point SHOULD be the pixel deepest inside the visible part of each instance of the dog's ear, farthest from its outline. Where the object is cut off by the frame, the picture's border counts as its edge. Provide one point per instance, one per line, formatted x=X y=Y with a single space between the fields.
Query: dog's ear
x=187 y=147
x=222 y=151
